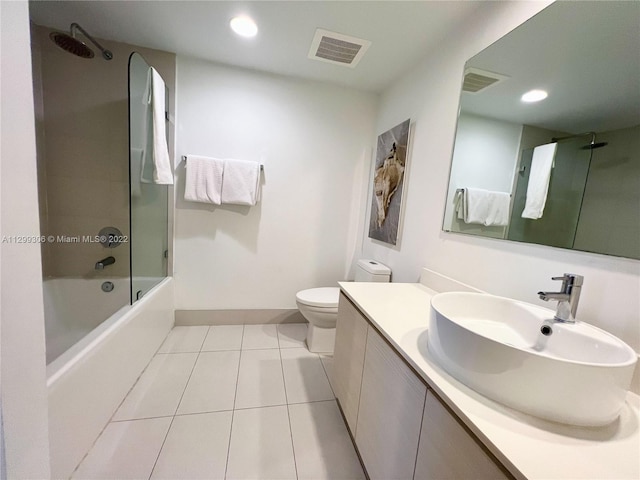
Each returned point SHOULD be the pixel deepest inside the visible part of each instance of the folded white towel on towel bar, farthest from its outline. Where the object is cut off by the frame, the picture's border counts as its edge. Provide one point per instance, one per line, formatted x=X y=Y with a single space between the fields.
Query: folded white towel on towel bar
x=483 y=207
x=539 y=176
x=204 y=179
x=240 y=182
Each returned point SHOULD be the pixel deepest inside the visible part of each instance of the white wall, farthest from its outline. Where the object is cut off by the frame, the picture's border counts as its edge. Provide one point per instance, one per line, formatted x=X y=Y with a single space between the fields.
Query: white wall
x=486 y=153
x=429 y=94
x=314 y=141
x=24 y=400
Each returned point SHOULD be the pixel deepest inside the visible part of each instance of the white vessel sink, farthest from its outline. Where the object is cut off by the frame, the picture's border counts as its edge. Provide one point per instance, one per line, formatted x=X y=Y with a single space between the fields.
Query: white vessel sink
x=577 y=375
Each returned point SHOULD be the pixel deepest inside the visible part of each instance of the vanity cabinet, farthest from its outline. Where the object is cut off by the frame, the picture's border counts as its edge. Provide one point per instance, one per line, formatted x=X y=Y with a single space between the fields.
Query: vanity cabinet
x=348 y=358
x=447 y=451
x=391 y=404
x=401 y=429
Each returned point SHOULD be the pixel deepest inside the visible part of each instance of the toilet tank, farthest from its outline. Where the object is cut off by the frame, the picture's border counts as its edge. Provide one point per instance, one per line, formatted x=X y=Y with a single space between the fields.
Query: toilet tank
x=372 y=271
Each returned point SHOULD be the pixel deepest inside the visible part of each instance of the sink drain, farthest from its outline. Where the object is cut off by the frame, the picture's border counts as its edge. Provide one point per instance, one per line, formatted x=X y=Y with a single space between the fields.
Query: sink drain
x=546 y=330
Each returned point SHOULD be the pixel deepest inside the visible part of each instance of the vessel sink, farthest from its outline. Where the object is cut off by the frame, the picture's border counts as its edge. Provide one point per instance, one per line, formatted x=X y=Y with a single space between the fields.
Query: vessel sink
x=576 y=374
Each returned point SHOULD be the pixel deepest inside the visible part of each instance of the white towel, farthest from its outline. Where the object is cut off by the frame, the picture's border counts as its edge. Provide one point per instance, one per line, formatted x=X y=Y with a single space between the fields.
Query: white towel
x=484 y=207
x=162 y=171
x=539 y=176
x=204 y=179
x=136 y=166
x=240 y=182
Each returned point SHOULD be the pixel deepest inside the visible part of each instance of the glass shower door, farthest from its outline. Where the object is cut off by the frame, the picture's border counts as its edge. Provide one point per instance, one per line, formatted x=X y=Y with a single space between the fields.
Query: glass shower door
x=557 y=226
x=149 y=201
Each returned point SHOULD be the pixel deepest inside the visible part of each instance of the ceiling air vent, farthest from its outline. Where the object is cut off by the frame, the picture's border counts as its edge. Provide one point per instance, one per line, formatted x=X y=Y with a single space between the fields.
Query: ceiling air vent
x=338 y=49
x=476 y=80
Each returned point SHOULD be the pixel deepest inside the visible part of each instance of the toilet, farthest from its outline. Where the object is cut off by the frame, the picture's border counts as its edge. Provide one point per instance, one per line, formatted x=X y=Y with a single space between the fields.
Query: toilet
x=320 y=306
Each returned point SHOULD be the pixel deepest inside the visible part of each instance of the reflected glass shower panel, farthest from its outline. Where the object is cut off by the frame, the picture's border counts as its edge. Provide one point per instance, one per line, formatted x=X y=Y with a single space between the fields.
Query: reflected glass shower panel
x=558 y=224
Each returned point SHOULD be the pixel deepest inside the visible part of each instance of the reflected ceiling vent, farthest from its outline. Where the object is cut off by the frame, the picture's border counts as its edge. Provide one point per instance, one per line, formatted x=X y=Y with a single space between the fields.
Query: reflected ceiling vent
x=476 y=80
x=337 y=48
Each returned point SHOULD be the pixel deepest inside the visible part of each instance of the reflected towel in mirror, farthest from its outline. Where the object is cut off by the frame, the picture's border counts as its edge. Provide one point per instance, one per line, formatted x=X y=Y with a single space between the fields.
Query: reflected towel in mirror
x=538 y=186
x=484 y=207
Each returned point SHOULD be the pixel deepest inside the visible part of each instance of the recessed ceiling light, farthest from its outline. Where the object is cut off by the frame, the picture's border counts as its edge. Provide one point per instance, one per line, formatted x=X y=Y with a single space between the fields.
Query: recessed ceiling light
x=534 y=96
x=244 y=26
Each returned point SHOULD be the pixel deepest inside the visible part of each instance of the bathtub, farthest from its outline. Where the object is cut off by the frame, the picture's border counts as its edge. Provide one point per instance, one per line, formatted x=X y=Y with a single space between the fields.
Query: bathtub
x=87 y=382
x=74 y=307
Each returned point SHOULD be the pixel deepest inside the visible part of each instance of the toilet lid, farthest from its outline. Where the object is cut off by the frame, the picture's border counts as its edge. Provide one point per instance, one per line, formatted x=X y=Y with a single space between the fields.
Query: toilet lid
x=319 y=297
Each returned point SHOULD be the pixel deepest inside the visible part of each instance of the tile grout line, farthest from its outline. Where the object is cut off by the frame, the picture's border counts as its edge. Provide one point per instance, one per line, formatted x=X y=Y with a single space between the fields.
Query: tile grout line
x=286 y=399
x=326 y=374
x=173 y=417
x=233 y=411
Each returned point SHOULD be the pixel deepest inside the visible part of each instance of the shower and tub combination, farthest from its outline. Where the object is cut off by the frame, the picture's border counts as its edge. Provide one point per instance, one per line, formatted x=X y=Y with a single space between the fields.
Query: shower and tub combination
x=108 y=300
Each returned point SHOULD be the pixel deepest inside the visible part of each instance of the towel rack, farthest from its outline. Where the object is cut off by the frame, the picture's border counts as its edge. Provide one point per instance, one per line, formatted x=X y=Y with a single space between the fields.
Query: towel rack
x=184 y=159
x=461 y=190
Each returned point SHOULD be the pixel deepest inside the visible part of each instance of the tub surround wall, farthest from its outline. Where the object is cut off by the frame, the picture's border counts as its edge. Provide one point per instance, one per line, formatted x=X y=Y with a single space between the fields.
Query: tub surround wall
x=314 y=139
x=22 y=359
x=83 y=145
x=428 y=95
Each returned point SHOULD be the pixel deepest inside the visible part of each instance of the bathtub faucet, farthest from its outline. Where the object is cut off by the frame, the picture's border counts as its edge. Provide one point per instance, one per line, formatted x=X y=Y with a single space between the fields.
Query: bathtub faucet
x=104 y=262
x=567 y=297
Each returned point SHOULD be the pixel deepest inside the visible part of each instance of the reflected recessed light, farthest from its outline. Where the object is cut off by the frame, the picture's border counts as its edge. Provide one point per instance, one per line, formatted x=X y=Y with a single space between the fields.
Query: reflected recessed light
x=534 y=96
x=244 y=26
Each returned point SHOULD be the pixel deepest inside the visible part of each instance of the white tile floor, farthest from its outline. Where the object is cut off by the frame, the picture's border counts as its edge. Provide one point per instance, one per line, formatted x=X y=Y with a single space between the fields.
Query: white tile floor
x=228 y=402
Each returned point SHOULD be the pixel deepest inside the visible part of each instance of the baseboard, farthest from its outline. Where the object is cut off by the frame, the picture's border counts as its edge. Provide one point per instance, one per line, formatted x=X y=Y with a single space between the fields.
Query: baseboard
x=237 y=317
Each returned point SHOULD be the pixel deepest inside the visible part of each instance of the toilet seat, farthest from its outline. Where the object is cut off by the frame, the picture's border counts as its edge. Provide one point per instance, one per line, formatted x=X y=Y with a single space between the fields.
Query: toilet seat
x=324 y=297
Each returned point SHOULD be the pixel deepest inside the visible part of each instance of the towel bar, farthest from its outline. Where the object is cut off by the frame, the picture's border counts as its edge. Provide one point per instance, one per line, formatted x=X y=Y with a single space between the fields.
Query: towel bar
x=184 y=159
x=461 y=190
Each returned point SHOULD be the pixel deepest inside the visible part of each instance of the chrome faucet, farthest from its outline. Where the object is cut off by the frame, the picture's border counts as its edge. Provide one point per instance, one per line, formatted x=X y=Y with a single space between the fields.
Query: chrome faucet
x=567 y=297
x=104 y=262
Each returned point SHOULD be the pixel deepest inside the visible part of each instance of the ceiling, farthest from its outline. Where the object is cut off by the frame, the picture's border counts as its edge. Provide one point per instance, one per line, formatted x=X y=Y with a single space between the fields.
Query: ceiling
x=402 y=33
x=585 y=54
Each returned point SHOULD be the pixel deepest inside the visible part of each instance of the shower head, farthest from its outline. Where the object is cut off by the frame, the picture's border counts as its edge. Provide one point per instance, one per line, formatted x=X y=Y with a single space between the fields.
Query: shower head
x=69 y=43
x=592 y=146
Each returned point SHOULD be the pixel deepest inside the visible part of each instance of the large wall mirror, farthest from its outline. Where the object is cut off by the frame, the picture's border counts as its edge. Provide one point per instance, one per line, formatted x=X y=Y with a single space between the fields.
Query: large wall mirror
x=563 y=171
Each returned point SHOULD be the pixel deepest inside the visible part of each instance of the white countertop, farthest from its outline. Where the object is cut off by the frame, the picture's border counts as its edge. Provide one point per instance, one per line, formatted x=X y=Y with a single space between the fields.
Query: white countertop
x=528 y=447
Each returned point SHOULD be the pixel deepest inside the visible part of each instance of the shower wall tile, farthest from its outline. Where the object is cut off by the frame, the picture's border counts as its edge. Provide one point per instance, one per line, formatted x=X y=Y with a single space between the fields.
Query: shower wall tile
x=77 y=156
x=82 y=198
x=79 y=259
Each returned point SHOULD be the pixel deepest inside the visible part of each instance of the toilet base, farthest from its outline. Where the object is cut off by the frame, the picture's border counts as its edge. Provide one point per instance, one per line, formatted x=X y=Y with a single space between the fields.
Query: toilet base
x=320 y=340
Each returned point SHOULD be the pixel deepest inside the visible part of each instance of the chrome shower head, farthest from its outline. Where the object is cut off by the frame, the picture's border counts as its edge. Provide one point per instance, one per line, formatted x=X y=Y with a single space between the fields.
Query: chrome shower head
x=69 y=43
x=593 y=146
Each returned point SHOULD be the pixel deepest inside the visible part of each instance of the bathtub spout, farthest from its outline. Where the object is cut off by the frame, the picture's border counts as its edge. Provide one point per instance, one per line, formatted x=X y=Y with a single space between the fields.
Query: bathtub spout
x=104 y=262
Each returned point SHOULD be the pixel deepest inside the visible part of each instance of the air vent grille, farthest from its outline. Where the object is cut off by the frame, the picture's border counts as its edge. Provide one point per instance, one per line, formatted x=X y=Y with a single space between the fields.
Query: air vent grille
x=338 y=49
x=476 y=80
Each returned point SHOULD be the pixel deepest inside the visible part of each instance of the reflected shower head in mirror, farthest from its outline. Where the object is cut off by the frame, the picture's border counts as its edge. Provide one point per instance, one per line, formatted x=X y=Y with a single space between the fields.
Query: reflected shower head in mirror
x=69 y=43
x=592 y=145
